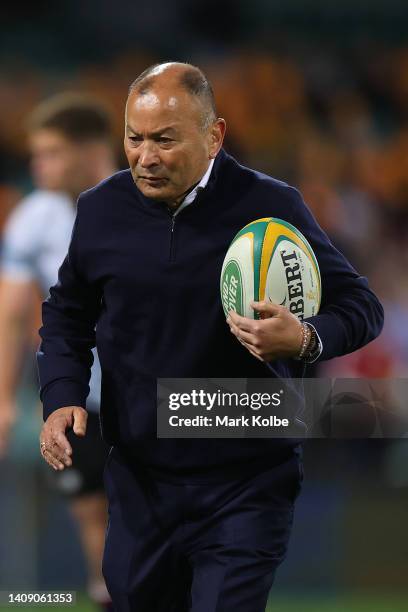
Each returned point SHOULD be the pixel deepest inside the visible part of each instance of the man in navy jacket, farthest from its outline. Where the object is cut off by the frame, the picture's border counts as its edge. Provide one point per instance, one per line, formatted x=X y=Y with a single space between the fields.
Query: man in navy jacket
x=195 y=525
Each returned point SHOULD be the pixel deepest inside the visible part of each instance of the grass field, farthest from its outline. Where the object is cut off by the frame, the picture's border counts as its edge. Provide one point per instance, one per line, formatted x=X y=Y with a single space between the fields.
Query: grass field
x=357 y=603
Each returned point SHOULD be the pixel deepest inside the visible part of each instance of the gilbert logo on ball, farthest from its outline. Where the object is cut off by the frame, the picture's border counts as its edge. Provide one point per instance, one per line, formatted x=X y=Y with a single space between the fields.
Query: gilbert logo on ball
x=269 y=259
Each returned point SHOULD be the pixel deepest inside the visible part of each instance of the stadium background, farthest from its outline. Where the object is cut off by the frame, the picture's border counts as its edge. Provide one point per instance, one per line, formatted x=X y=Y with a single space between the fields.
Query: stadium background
x=314 y=93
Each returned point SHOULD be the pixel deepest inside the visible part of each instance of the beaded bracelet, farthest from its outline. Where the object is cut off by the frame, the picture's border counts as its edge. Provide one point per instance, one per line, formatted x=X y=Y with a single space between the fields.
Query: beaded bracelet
x=306 y=337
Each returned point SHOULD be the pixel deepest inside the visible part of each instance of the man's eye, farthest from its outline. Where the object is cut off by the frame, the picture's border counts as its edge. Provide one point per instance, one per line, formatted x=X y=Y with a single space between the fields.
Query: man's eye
x=165 y=140
x=134 y=139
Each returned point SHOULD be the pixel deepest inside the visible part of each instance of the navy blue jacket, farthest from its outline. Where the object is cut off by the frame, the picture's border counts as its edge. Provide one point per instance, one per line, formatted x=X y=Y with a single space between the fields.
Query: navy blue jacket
x=149 y=284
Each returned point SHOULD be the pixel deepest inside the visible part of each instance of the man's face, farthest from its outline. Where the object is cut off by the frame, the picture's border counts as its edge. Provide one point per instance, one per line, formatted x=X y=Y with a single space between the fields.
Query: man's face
x=167 y=148
x=57 y=163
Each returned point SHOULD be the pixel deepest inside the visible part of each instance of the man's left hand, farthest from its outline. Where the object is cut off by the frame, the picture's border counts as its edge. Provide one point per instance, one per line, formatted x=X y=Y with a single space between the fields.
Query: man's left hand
x=278 y=334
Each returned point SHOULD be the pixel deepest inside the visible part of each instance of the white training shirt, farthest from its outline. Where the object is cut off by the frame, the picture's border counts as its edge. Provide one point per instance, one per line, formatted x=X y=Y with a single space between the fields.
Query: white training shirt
x=35 y=242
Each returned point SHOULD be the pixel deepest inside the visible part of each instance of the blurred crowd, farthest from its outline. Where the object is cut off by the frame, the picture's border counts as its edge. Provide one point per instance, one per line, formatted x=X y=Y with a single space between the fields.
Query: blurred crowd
x=333 y=124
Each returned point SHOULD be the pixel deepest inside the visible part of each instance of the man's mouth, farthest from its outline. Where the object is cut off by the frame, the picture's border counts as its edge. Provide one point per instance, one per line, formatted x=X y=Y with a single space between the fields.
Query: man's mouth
x=153 y=180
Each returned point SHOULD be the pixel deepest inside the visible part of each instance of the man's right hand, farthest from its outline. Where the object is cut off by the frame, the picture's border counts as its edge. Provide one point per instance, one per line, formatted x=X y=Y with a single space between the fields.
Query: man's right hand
x=55 y=448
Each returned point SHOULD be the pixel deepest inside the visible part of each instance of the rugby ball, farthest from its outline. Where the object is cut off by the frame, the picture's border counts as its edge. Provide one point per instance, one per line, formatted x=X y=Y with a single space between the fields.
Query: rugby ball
x=269 y=259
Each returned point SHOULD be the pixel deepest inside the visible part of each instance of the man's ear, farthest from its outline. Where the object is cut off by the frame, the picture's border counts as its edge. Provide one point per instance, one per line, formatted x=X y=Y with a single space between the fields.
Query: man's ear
x=216 y=137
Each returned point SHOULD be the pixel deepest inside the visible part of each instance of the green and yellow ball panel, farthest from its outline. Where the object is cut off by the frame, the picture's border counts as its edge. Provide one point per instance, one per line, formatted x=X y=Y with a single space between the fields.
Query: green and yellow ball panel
x=269 y=259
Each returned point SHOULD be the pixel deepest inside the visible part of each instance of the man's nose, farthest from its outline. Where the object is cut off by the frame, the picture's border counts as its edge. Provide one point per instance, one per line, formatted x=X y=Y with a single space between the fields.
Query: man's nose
x=149 y=155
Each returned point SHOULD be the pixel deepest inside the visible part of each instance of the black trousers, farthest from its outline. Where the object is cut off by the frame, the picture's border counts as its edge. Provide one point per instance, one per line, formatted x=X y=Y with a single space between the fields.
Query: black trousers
x=197 y=548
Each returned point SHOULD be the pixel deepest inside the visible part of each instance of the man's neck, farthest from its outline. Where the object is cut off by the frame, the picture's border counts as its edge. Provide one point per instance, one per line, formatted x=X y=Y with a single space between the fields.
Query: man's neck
x=174 y=204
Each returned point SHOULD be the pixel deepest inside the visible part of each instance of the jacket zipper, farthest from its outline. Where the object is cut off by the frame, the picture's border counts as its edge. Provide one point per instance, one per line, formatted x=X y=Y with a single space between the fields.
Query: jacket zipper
x=173 y=221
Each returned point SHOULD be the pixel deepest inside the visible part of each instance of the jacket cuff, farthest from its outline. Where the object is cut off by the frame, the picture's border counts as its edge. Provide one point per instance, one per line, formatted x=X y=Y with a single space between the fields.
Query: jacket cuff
x=332 y=335
x=61 y=394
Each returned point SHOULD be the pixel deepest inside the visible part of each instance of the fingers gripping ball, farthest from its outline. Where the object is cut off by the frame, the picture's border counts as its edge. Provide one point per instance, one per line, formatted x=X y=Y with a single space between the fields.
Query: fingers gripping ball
x=269 y=259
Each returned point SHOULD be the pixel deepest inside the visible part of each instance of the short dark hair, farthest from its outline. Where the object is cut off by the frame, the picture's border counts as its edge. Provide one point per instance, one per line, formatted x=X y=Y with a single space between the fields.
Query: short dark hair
x=78 y=117
x=192 y=80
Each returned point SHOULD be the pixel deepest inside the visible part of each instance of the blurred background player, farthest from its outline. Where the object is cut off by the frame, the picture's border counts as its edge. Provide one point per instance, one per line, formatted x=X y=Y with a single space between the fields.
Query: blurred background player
x=70 y=143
